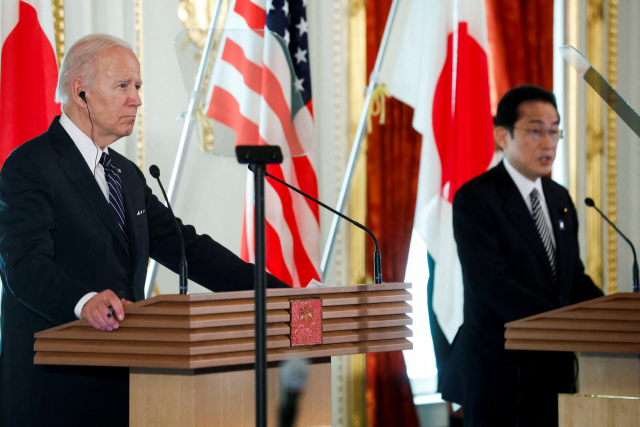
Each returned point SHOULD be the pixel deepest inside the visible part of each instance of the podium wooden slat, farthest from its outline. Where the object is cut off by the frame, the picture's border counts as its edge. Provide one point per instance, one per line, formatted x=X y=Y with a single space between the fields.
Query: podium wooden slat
x=347 y=323
x=158 y=348
x=208 y=307
x=199 y=321
x=170 y=335
x=216 y=360
x=606 y=333
x=580 y=324
x=573 y=335
x=148 y=329
x=366 y=334
x=335 y=312
x=564 y=329
x=211 y=336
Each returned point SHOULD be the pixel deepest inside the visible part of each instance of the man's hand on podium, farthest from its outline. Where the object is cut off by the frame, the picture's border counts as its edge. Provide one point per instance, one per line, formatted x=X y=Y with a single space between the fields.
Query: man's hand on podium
x=100 y=308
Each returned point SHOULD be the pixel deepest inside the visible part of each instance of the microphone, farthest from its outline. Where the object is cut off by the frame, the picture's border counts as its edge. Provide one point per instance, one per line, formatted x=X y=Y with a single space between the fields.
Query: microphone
x=155 y=172
x=377 y=261
x=636 y=285
x=293 y=379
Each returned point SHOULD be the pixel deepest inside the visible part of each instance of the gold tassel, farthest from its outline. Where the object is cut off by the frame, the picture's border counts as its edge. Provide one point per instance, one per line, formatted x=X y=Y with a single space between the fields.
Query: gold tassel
x=205 y=130
x=377 y=106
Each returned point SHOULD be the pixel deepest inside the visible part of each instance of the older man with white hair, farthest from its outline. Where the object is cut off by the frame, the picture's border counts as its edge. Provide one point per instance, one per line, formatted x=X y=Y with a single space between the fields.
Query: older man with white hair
x=78 y=224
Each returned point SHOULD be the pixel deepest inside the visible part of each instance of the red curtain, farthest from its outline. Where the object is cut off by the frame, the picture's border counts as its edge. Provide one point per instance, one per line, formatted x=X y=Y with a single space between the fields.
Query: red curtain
x=393 y=161
x=520 y=45
x=520 y=51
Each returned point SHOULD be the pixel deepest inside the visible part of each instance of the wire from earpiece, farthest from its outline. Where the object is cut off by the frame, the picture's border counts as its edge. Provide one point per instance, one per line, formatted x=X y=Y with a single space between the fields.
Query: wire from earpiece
x=95 y=164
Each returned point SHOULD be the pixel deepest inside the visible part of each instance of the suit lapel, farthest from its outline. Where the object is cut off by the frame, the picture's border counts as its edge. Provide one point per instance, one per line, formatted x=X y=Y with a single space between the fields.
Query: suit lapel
x=516 y=209
x=74 y=165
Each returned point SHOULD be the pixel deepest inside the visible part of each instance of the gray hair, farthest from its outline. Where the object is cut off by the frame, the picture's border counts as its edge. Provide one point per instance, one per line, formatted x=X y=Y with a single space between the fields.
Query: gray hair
x=79 y=61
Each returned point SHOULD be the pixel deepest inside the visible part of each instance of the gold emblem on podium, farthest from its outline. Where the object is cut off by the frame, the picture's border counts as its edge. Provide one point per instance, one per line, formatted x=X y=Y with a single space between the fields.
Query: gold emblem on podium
x=306 y=322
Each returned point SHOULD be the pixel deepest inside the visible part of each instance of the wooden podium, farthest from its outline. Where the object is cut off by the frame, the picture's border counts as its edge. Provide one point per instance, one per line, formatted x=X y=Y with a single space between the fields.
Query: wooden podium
x=606 y=334
x=191 y=356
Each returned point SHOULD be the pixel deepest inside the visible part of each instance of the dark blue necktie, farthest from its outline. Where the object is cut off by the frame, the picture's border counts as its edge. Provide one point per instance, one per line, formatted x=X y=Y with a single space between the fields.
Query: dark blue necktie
x=115 y=194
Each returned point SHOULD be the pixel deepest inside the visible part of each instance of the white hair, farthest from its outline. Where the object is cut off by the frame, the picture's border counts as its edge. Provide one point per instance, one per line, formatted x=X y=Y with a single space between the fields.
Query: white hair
x=79 y=61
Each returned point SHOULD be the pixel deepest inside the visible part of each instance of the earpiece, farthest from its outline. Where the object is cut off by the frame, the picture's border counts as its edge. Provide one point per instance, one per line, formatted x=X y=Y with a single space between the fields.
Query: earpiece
x=81 y=95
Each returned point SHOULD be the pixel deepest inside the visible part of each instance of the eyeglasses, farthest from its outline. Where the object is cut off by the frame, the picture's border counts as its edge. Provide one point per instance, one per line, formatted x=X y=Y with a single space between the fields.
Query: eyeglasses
x=536 y=133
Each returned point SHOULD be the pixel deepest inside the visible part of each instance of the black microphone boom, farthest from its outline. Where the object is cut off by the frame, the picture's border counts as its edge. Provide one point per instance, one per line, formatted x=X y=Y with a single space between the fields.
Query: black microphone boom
x=636 y=278
x=377 y=261
x=155 y=172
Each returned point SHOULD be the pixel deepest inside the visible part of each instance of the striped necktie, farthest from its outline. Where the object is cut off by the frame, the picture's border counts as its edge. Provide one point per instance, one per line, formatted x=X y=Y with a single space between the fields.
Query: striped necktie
x=115 y=194
x=543 y=230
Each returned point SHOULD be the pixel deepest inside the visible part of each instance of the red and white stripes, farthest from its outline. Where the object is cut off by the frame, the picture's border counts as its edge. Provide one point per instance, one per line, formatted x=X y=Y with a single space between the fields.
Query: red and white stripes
x=253 y=94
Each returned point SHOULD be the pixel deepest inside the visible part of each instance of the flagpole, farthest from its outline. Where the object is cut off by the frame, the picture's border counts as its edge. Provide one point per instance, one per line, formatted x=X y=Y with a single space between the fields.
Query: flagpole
x=185 y=138
x=357 y=143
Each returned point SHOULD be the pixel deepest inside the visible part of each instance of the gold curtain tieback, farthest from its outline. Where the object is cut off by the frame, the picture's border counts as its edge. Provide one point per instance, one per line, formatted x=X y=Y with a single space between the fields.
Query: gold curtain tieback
x=205 y=129
x=377 y=106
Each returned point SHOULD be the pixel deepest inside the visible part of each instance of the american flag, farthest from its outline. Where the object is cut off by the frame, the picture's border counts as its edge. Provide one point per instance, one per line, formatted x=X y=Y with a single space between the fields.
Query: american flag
x=261 y=90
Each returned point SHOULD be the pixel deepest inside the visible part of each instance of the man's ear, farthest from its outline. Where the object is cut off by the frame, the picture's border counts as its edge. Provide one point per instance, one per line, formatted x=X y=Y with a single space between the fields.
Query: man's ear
x=76 y=89
x=501 y=136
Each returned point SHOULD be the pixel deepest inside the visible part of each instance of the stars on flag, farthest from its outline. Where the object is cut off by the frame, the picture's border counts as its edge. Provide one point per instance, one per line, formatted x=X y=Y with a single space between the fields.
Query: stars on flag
x=303 y=27
x=288 y=19
x=270 y=6
x=301 y=55
x=297 y=83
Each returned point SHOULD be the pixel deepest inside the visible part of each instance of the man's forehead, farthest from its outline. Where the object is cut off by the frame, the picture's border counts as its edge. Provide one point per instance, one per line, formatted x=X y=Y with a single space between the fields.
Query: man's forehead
x=118 y=63
x=538 y=111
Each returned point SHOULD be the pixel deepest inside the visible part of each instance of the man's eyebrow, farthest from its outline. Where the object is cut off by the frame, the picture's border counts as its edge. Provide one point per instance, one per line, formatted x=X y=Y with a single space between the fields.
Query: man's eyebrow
x=139 y=82
x=540 y=121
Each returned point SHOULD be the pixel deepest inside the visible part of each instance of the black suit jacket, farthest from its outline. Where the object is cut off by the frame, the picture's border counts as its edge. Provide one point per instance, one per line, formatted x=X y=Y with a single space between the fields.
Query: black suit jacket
x=507 y=276
x=59 y=240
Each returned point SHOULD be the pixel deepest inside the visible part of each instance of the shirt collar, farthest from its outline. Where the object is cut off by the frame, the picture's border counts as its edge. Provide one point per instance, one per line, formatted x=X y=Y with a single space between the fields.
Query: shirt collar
x=90 y=152
x=524 y=184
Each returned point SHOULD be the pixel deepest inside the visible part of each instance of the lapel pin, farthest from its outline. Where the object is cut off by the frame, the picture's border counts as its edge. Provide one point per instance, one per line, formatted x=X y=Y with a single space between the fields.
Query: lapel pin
x=564 y=210
x=119 y=171
x=561 y=224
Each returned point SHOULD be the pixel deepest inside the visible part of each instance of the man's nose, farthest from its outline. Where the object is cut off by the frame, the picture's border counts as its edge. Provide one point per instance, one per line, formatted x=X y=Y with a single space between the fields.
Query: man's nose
x=135 y=100
x=547 y=141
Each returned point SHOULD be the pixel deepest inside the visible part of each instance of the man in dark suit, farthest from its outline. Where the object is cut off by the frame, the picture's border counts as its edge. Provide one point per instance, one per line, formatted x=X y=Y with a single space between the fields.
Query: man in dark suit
x=517 y=237
x=78 y=224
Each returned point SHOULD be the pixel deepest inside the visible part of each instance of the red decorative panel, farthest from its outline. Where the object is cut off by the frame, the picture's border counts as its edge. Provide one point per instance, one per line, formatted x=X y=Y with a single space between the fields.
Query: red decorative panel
x=306 y=322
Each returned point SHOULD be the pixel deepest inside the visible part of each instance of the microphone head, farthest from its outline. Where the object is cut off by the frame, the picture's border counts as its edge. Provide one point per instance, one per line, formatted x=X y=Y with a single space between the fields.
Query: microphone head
x=589 y=202
x=293 y=375
x=154 y=171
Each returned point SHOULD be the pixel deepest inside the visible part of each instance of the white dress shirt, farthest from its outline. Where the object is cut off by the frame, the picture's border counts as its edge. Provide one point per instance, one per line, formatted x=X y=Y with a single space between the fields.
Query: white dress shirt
x=91 y=154
x=526 y=186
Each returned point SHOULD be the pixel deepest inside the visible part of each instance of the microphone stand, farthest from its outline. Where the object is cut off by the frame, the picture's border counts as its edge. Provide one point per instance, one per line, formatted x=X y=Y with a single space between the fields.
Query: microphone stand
x=377 y=260
x=636 y=278
x=258 y=156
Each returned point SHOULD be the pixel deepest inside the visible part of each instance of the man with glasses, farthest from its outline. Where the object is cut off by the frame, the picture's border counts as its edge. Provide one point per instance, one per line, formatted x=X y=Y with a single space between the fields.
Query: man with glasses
x=517 y=237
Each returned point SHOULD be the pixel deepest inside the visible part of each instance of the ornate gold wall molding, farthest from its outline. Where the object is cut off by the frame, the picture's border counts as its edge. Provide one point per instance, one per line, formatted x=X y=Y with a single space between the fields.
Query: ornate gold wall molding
x=340 y=418
x=357 y=378
x=357 y=85
x=612 y=139
x=595 y=148
x=57 y=7
x=140 y=49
